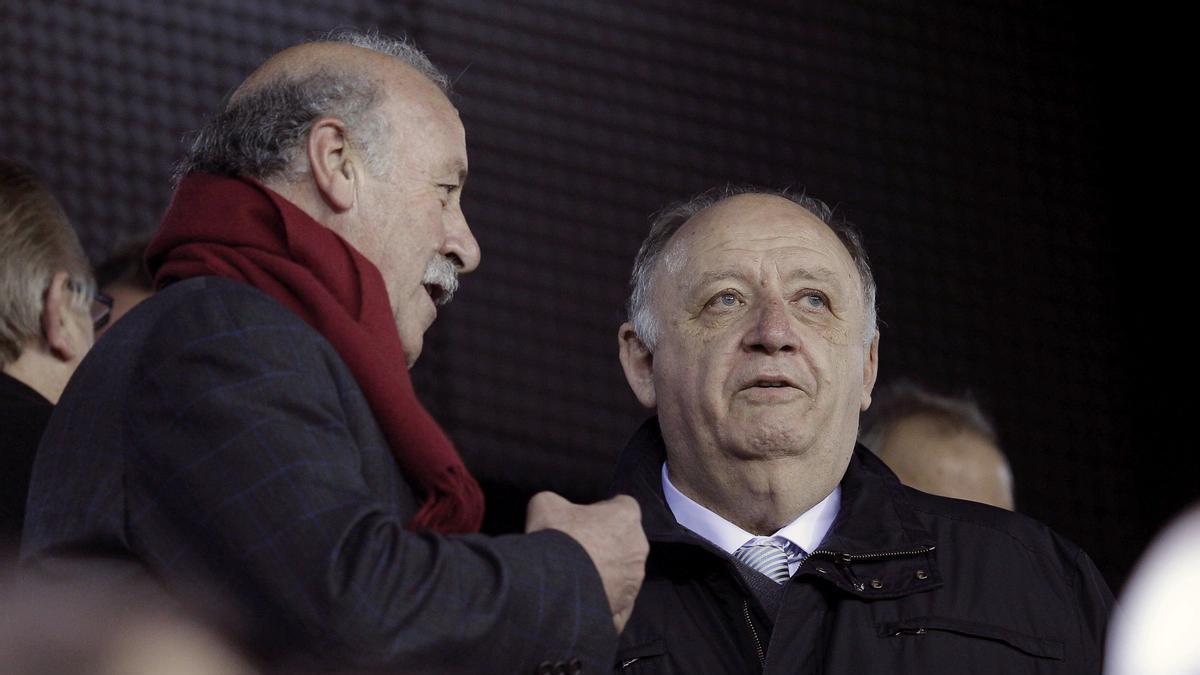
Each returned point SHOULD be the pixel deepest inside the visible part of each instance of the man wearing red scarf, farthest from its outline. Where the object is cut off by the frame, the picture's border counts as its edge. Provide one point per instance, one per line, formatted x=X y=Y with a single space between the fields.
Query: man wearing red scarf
x=253 y=428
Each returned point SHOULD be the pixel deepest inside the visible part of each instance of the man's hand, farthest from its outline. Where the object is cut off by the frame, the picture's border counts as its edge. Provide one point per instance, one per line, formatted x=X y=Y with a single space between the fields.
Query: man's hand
x=610 y=532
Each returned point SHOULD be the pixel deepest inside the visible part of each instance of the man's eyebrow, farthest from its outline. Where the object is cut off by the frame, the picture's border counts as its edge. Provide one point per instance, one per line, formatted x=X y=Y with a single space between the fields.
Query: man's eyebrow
x=813 y=274
x=720 y=275
x=457 y=168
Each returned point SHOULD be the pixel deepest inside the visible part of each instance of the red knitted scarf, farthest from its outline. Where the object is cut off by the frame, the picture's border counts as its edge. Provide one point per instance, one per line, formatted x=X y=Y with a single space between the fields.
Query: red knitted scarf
x=240 y=229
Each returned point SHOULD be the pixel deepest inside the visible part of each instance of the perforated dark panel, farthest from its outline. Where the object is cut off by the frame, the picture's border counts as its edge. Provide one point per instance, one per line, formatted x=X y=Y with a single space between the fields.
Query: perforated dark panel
x=964 y=138
x=97 y=95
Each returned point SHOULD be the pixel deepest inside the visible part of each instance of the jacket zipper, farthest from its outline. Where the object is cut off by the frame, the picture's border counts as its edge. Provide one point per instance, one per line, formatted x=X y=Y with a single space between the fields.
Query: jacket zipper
x=847 y=558
x=762 y=659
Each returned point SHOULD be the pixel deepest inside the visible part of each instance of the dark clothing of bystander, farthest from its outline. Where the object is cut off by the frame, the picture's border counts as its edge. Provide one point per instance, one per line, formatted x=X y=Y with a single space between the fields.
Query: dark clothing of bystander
x=23 y=417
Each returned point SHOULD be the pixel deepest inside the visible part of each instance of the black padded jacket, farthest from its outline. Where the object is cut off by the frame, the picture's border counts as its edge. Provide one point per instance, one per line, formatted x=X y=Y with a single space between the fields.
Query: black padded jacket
x=904 y=582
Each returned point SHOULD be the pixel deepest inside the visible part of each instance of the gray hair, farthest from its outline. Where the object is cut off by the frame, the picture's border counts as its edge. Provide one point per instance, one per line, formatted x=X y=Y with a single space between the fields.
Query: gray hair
x=261 y=134
x=36 y=241
x=668 y=221
x=903 y=399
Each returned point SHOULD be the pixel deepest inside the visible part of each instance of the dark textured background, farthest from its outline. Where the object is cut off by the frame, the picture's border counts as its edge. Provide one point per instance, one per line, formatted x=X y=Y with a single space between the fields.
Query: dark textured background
x=967 y=139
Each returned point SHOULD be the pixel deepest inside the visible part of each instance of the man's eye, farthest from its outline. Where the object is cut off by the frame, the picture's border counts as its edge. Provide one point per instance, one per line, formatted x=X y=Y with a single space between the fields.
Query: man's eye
x=725 y=300
x=814 y=300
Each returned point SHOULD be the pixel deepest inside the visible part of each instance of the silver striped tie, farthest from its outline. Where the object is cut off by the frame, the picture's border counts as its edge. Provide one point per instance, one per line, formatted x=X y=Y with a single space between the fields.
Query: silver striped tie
x=768 y=555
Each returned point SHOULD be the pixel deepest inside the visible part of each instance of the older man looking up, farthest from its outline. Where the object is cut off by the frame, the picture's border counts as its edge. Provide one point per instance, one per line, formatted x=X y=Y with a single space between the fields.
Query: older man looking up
x=48 y=313
x=252 y=427
x=777 y=544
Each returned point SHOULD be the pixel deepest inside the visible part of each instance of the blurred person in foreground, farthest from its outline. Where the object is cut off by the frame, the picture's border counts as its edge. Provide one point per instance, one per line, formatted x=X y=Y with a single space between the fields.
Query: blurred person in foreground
x=1154 y=624
x=84 y=629
x=938 y=444
x=48 y=314
x=777 y=544
x=252 y=427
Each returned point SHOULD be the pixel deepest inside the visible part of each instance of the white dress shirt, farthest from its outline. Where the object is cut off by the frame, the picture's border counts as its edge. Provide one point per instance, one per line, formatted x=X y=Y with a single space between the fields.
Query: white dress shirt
x=806 y=531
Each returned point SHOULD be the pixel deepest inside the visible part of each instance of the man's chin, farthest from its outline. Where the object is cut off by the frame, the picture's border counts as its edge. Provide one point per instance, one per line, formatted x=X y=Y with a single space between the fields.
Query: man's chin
x=410 y=358
x=412 y=349
x=412 y=337
x=764 y=436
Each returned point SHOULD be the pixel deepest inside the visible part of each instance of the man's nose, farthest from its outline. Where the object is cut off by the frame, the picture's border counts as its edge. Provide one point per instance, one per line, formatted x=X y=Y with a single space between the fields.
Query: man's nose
x=460 y=245
x=774 y=329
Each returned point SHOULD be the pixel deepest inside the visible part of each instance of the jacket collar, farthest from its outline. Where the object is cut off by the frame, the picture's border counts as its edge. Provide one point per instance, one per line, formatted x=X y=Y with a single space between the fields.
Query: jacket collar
x=875 y=520
x=638 y=474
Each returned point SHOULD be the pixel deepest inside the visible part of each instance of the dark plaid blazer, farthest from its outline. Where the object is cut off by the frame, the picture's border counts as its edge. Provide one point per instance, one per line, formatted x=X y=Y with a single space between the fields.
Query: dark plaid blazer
x=213 y=438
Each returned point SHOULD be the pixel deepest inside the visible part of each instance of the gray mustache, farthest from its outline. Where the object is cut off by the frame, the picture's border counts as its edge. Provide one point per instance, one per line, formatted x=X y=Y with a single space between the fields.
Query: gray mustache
x=441 y=272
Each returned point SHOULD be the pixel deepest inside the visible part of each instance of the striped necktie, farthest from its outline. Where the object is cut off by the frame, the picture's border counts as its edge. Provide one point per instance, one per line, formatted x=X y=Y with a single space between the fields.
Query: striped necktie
x=768 y=555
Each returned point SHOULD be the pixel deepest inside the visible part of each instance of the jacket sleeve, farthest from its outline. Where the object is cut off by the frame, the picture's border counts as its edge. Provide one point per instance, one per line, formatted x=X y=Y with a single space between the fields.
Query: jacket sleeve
x=242 y=467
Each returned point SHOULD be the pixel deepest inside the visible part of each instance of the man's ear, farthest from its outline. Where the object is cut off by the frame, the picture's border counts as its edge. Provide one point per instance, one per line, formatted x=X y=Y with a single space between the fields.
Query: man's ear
x=638 y=363
x=335 y=167
x=57 y=322
x=870 y=370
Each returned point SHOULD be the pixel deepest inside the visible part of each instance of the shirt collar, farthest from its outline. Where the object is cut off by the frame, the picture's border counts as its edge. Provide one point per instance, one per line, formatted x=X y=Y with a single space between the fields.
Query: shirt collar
x=806 y=531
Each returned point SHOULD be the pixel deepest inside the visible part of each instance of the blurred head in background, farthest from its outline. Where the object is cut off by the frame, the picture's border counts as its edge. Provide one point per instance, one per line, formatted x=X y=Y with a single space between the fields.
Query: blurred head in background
x=48 y=302
x=938 y=444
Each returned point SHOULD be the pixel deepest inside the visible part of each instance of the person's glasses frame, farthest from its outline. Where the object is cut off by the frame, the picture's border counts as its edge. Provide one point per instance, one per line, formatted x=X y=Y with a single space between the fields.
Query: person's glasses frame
x=101 y=307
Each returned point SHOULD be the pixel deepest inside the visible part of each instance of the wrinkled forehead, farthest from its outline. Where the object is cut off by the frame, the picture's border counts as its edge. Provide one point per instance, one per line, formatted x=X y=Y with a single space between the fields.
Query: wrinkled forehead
x=424 y=118
x=750 y=232
x=423 y=121
x=406 y=88
x=406 y=92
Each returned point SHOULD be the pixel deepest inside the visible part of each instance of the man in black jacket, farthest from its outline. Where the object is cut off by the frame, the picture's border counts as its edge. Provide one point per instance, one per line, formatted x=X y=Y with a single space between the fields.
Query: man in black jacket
x=777 y=544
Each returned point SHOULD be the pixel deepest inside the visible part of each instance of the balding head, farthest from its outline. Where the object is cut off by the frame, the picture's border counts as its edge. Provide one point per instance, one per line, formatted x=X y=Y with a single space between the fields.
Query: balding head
x=938 y=444
x=934 y=456
x=356 y=131
x=671 y=219
x=345 y=75
x=345 y=52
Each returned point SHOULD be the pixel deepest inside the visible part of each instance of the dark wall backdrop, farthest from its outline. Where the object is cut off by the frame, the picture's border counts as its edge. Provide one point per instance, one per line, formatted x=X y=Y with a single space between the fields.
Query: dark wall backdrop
x=967 y=140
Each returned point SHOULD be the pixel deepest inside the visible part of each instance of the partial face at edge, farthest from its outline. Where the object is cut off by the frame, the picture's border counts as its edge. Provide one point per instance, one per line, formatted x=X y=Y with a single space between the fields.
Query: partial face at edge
x=760 y=352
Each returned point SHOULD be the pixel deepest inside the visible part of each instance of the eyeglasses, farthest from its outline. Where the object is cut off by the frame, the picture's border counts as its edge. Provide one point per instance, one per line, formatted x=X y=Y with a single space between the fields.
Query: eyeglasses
x=101 y=307
x=101 y=310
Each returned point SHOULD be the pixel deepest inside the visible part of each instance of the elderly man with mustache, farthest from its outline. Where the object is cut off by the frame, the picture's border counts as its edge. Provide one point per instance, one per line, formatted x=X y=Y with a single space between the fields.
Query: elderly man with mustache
x=252 y=428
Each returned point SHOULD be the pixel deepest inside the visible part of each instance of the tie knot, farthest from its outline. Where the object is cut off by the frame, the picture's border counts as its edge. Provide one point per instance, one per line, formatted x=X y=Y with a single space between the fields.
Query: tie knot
x=768 y=555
